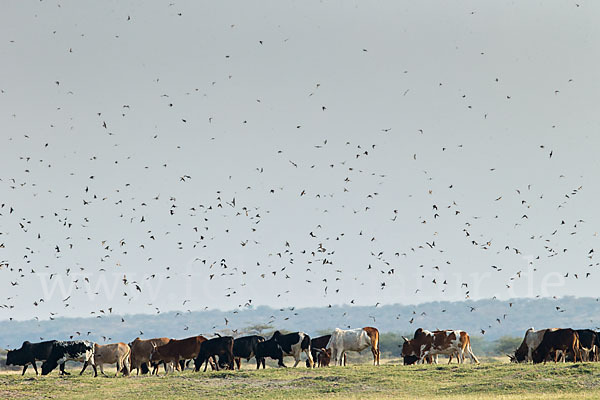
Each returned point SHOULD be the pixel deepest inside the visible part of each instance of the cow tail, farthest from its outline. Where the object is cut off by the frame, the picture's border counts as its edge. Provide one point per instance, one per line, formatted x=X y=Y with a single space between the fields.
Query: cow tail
x=128 y=367
x=470 y=350
x=576 y=348
x=305 y=345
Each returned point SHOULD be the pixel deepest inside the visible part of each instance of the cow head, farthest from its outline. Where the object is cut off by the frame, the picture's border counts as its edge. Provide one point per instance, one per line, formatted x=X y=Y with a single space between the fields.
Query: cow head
x=520 y=353
x=17 y=356
x=154 y=355
x=410 y=360
x=48 y=366
x=12 y=357
x=519 y=356
x=407 y=348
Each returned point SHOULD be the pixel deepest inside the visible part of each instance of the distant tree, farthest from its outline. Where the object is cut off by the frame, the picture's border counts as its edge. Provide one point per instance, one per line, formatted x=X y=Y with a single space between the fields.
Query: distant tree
x=258 y=329
x=391 y=344
x=507 y=344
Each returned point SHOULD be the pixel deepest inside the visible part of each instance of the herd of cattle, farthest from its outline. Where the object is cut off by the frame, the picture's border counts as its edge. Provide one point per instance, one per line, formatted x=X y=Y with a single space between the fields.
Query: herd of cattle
x=225 y=352
x=219 y=352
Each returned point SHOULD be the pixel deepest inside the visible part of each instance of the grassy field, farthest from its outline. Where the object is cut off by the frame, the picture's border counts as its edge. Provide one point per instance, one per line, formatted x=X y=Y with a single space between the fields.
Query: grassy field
x=488 y=380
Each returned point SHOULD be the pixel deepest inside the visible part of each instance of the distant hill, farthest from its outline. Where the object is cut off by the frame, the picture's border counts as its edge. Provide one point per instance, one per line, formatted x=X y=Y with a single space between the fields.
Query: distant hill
x=514 y=316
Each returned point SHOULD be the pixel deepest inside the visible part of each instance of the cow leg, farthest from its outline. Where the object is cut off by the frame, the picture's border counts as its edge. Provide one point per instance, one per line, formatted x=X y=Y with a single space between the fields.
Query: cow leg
x=309 y=356
x=262 y=361
x=280 y=362
x=472 y=355
x=85 y=364
x=422 y=359
x=338 y=357
x=25 y=369
x=374 y=351
x=62 y=369
x=34 y=367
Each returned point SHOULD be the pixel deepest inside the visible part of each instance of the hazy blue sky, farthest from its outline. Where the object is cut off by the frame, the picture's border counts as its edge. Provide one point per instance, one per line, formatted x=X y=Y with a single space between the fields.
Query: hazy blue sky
x=375 y=151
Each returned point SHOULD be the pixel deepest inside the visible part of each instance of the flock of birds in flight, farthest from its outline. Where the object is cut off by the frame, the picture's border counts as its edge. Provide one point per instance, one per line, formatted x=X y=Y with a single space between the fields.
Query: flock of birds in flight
x=196 y=224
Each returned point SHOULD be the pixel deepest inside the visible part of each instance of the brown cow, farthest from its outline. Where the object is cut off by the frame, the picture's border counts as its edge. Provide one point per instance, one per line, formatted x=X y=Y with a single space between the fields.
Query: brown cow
x=323 y=357
x=141 y=349
x=114 y=353
x=178 y=349
x=316 y=345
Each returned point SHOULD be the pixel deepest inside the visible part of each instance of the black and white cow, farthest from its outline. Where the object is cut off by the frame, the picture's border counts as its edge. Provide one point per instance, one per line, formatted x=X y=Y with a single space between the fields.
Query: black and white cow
x=29 y=353
x=293 y=344
x=75 y=350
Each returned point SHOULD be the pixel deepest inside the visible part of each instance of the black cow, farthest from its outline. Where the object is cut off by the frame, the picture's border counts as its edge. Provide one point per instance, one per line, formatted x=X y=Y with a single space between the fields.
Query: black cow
x=29 y=353
x=269 y=349
x=219 y=346
x=245 y=347
x=588 y=342
x=316 y=346
x=62 y=351
x=558 y=341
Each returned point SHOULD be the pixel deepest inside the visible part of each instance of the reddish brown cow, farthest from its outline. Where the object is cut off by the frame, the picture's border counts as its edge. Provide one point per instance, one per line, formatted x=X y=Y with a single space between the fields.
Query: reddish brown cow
x=178 y=349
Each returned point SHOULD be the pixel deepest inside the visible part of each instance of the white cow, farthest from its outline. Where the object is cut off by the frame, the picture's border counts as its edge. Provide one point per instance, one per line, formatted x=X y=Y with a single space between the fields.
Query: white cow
x=114 y=353
x=531 y=341
x=353 y=340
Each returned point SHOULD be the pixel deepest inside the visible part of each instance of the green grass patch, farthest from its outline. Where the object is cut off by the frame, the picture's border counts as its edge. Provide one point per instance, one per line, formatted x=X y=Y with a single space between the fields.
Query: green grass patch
x=493 y=380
